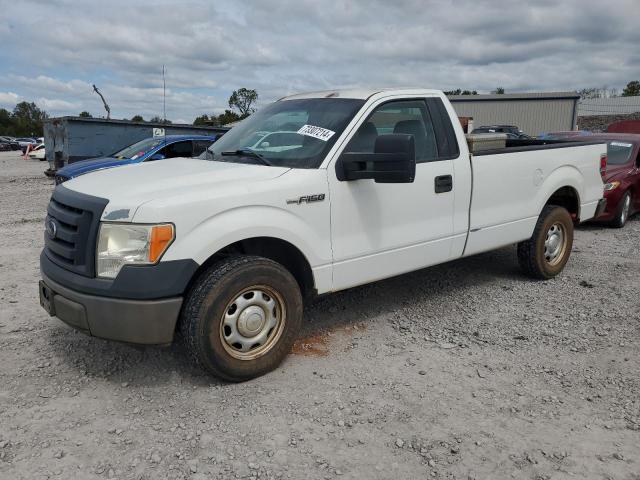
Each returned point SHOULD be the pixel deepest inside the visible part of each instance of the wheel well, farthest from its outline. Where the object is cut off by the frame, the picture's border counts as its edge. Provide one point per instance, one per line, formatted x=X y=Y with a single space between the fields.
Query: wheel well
x=568 y=198
x=274 y=249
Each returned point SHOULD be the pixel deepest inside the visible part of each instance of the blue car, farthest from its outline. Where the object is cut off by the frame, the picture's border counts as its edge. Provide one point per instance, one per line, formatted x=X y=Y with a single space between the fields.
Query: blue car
x=149 y=149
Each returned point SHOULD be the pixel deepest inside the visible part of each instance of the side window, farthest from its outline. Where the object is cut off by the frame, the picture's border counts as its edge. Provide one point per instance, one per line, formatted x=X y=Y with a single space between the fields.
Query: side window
x=404 y=116
x=200 y=146
x=178 y=149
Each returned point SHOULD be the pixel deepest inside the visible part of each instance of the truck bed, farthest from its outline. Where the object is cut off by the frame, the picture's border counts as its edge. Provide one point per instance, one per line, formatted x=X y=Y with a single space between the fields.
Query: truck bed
x=512 y=184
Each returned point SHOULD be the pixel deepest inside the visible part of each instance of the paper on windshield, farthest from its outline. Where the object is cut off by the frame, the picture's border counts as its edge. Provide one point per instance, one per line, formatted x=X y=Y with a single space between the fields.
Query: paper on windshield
x=320 y=133
x=621 y=144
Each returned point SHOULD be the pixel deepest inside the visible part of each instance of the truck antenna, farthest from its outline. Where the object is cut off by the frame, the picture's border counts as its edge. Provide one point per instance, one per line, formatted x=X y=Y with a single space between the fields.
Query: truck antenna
x=104 y=102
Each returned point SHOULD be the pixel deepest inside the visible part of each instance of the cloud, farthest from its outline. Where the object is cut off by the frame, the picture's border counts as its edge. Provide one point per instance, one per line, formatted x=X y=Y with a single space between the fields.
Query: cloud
x=9 y=99
x=285 y=46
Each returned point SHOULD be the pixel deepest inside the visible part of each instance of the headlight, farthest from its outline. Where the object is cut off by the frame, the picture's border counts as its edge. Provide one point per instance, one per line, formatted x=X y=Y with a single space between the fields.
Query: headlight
x=611 y=186
x=122 y=244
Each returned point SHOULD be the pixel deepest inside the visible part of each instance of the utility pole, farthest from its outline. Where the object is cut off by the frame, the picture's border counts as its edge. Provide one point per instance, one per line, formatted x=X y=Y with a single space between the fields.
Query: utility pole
x=164 y=98
x=104 y=102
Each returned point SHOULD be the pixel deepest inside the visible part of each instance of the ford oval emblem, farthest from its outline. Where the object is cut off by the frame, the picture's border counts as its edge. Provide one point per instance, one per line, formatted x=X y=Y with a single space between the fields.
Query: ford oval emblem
x=51 y=227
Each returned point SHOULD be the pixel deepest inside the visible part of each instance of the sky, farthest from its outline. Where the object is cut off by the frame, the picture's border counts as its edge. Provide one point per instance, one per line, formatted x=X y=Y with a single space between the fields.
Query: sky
x=52 y=51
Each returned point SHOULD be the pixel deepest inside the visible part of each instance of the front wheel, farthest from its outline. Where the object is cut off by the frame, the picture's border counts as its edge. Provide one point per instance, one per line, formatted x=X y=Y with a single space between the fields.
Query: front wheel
x=241 y=317
x=546 y=253
x=622 y=214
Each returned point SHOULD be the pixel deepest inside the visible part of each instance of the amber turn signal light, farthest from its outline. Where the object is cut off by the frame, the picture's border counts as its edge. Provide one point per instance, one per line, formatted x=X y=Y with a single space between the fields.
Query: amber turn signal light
x=161 y=238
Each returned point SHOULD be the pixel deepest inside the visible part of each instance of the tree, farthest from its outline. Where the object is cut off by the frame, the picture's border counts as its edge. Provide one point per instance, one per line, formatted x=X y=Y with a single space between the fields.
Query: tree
x=137 y=118
x=458 y=91
x=632 y=89
x=498 y=91
x=204 y=120
x=6 y=122
x=243 y=99
x=28 y=119
x=158 y=119
x=591 y=92
x=229 y=116
x=85 y=114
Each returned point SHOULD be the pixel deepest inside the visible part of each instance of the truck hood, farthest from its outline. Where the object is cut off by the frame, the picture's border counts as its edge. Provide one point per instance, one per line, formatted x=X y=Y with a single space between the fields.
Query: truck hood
x=129 y=187
x=86 y=166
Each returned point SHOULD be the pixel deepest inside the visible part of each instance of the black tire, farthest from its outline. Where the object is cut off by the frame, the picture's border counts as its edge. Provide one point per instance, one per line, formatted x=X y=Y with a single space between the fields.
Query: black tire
x=534 y=260
x=211 y=299
x=623 y=212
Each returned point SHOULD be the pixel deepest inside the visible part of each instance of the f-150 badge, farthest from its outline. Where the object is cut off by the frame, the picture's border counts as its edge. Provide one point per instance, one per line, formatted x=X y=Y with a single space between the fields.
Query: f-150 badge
x=319 y=197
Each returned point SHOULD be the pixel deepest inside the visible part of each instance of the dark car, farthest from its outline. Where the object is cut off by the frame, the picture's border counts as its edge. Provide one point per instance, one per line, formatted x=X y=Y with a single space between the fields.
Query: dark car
x=9 y=142
x=512 y=131
x=622 y=174
x=149 y=149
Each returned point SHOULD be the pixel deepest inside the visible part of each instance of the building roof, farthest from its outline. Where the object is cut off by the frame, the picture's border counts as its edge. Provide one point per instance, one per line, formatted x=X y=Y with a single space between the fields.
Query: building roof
x=168 y=126
x=515 y=96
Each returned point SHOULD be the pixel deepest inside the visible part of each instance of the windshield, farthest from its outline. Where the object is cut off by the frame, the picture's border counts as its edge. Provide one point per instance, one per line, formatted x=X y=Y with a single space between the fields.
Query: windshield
x=139 y=149
x=288 y=133
x=618 y=153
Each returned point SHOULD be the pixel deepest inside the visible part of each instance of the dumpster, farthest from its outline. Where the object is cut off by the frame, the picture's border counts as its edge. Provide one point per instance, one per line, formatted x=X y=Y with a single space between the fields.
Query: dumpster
x=70 y=139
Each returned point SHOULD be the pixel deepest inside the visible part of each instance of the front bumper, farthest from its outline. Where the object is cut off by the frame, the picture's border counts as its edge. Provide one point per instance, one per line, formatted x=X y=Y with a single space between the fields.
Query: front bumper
x=148 y=322
x=602 y=207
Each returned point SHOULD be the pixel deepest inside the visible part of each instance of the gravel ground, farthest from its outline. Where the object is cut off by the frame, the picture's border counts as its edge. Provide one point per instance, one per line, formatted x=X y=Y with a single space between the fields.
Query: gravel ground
x=463 y=371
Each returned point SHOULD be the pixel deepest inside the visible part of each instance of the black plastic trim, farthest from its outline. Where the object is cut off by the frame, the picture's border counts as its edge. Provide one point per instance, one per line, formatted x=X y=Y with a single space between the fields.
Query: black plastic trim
x=82 y=213
x=140 y=282
x=446 y=139
x=535 y=145
x=147 y=322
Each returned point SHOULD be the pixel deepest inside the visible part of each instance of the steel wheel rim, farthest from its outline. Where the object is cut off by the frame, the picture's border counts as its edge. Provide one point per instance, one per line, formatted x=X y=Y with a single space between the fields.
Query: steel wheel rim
x=625 y=208
x=253 y=322
x=555 y=244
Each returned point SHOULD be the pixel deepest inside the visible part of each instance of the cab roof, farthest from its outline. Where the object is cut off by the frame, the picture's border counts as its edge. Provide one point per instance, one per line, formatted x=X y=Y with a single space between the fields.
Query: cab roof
x=360 y=93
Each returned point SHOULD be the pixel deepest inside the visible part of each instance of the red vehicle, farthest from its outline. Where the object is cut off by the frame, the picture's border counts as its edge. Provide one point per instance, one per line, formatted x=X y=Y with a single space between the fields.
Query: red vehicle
x=624 y=126
x=622 y=174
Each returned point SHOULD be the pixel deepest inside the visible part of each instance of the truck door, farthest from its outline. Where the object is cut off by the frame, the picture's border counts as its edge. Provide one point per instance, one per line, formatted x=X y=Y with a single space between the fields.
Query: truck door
x=382 y=229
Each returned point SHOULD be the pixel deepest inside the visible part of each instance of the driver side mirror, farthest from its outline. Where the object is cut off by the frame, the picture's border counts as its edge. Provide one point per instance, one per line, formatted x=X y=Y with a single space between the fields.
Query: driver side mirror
x=393 y=161
x=156 y=156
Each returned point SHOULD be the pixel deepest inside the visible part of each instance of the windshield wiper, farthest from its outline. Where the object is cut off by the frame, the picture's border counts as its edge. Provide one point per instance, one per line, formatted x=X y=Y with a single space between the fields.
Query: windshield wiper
x=247 y=152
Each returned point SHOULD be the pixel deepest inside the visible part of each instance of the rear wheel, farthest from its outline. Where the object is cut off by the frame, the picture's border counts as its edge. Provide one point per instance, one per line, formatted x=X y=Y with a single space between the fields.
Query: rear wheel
x=622 y=215
x=546 y=253
x=241 y=317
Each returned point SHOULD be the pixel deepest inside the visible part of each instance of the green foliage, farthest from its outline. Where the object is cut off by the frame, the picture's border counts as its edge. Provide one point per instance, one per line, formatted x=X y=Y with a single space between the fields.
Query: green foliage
x=25 y=120
x=157 y=119
x=137 y=118
x=242 y=100
x=203 y=120
x=229 y=116
x=85 y=114
x=458 y=91
x=632 y=89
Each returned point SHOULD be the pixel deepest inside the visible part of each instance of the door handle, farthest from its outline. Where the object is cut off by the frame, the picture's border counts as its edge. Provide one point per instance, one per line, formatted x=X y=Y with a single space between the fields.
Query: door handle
x=443 y=183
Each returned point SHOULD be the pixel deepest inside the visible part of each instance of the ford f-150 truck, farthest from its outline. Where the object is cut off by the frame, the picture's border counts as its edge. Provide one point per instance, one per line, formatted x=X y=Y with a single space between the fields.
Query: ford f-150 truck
x=357 y=186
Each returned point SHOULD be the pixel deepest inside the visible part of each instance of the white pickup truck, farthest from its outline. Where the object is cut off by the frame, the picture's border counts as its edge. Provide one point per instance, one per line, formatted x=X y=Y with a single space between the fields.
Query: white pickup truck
x=314 y=193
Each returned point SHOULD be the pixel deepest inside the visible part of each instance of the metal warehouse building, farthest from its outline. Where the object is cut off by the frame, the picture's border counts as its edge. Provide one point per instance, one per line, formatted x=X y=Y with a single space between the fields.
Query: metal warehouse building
x=534 y=113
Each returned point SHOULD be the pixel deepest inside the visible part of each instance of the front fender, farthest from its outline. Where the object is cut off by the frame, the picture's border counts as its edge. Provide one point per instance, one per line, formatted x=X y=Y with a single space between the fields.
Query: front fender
x=309 y=233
